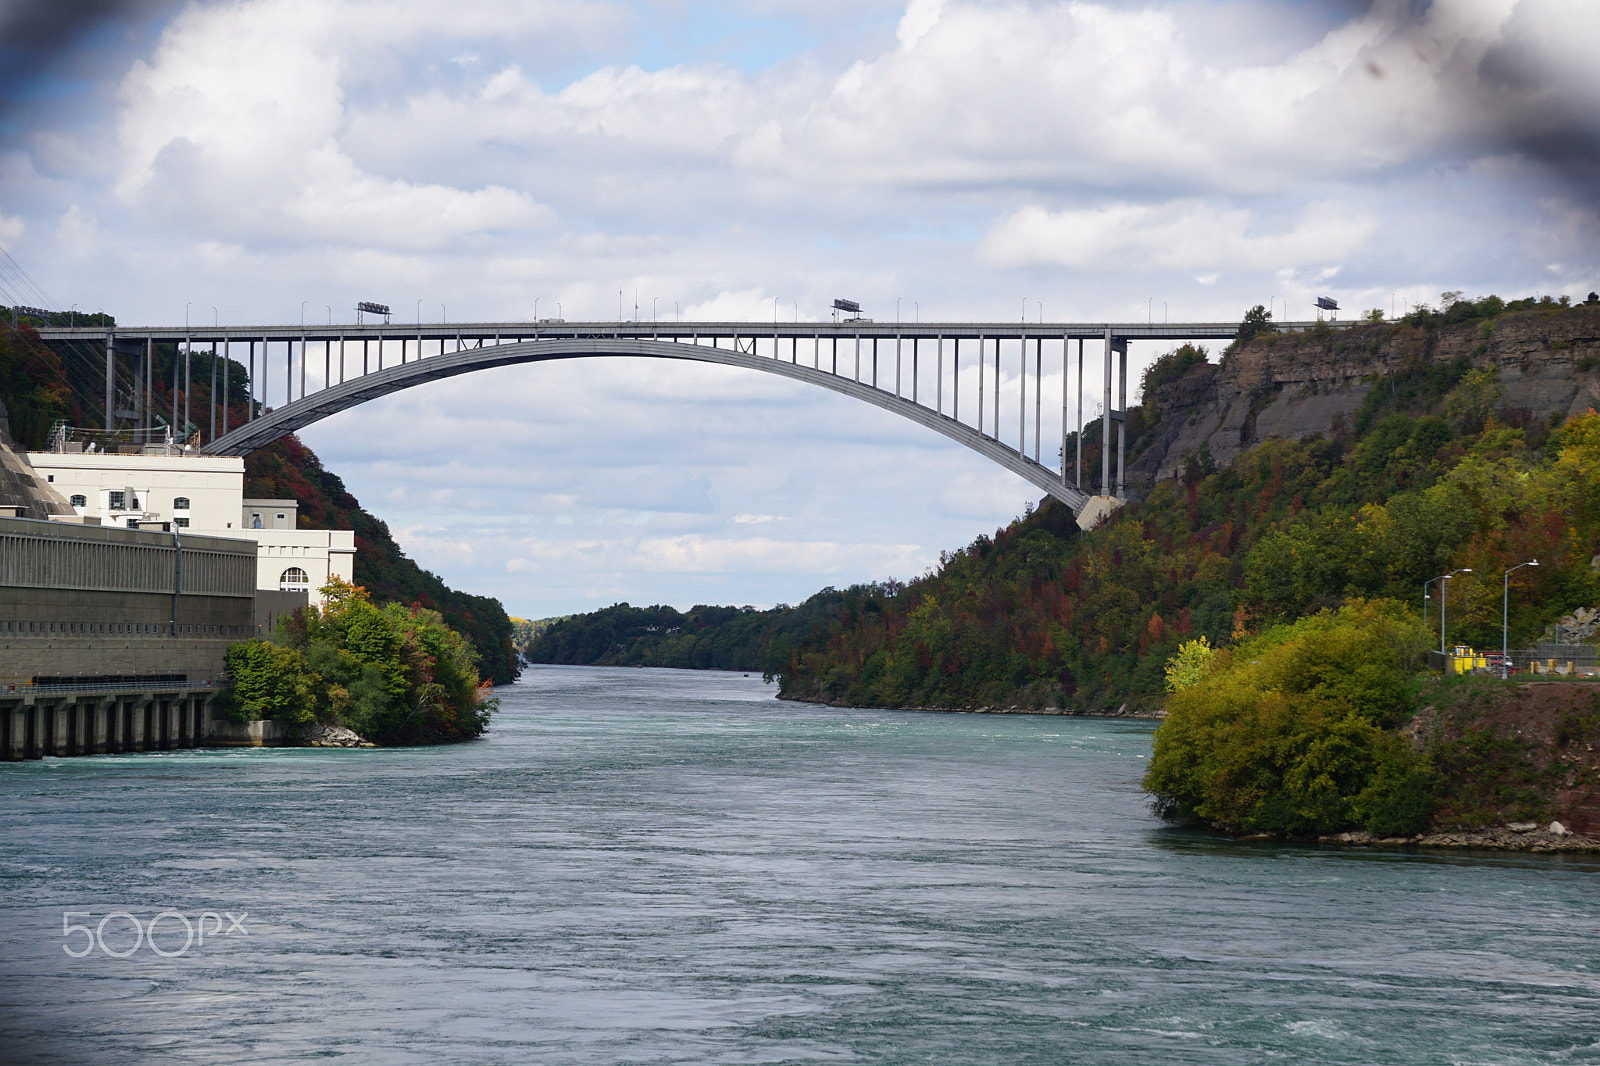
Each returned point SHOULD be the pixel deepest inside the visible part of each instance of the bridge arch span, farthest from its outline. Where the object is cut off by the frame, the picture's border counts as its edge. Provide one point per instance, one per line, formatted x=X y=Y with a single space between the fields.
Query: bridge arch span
x=316 y=406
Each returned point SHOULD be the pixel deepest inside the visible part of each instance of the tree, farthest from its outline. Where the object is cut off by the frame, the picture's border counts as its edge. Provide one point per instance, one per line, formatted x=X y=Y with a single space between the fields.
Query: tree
x=1257 y=321
x=1190 y=665
x=395 y=674
x=1292 y=735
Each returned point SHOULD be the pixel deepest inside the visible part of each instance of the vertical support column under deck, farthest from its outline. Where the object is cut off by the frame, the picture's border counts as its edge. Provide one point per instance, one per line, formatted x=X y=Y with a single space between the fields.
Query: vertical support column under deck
x=302 y=366
x=982 y=342
x=1038 y=392
x=177 y=380
x=1066 y=371
x=227 y=362
x=1122 y=422
x=997 y=389
x=149 y=373
x=1022 y=396
x=213 y=403
x=111 y=379
x=1105 y=425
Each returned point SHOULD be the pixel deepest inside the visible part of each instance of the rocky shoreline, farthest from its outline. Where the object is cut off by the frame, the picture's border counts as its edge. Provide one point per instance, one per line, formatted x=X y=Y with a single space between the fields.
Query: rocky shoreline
x=1514 y=836
x=332 y=736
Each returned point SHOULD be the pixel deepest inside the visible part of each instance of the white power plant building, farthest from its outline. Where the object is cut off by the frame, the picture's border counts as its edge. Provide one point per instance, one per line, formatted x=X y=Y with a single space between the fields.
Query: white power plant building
x=162 y=487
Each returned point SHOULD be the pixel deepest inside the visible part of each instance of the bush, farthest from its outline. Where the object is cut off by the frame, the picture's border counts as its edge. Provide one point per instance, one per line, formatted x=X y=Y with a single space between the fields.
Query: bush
x=1289 y=732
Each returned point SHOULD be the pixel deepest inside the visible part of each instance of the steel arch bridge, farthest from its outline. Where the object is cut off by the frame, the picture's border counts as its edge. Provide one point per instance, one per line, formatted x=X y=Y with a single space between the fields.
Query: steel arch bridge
x=358 y=364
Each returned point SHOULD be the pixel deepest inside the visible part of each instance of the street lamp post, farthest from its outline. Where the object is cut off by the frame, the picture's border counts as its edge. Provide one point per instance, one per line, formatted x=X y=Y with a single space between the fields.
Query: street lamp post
x=1443 y=594
x=1505 y=618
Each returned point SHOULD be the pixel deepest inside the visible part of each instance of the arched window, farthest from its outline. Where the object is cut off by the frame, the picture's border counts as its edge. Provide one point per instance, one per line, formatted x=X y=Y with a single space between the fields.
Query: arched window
x=294 y=579
x=79 y=501
x=181 y=503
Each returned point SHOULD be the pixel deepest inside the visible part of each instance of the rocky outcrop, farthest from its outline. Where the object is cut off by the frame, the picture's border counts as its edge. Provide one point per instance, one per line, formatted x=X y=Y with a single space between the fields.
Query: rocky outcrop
x=1292 y=386
x=318 y=735
x=1510 y=746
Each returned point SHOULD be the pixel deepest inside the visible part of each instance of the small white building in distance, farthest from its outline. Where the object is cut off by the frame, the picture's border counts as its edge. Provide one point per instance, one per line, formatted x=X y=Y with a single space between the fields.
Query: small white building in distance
x=161 y=486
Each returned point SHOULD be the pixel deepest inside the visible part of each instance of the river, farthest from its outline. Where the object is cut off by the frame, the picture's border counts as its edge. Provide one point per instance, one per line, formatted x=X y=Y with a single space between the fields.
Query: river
x=652 y=866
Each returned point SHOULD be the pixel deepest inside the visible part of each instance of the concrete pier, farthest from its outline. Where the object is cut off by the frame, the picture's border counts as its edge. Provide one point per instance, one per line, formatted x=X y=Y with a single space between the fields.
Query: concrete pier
x=40 y=720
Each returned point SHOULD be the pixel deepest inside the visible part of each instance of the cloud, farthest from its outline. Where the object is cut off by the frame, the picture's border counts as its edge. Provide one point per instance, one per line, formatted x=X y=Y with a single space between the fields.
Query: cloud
x=233 y=125
x=11 y=229
x=1178 y=236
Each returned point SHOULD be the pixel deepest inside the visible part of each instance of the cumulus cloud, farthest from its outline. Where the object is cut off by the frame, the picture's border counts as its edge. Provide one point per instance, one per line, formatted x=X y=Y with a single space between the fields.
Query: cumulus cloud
x=234 y=121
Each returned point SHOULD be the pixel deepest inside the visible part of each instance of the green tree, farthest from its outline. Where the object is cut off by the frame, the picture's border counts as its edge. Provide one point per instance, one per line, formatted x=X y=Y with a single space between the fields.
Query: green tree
x=1190 y=665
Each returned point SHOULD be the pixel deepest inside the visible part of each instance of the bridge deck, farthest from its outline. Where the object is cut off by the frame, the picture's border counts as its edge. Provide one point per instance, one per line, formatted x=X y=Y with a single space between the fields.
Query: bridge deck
x=487 y=331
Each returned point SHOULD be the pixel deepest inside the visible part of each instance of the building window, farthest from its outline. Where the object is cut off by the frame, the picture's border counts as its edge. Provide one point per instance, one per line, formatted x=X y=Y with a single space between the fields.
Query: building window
x=255 y=521
x=79 y=501
x=118 y=500
x=181 y=503
x=181 y=523
x=294 y=579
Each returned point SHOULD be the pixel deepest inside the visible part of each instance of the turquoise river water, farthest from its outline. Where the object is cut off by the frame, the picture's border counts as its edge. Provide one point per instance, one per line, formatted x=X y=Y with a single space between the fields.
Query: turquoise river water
x=644 y=866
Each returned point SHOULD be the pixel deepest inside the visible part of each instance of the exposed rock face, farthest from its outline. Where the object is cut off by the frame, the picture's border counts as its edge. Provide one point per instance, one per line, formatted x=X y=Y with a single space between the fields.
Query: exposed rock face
x=20 y=486
x=1292 y=386
x=318 y=735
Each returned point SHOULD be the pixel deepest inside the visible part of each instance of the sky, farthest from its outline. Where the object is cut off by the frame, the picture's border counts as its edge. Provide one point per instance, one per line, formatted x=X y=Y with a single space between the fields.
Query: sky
x=256 y=161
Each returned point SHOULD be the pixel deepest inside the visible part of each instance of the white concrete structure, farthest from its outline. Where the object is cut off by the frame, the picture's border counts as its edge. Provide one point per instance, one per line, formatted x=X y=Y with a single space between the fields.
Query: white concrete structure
x=204 y=494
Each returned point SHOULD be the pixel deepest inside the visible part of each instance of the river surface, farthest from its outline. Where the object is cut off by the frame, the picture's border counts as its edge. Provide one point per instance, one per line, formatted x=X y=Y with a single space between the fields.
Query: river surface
x=651 y=866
